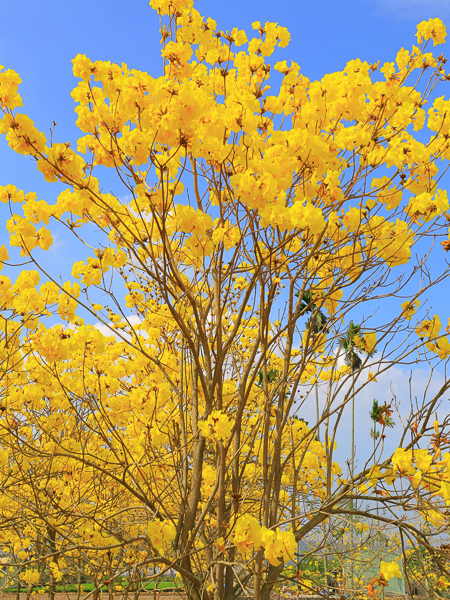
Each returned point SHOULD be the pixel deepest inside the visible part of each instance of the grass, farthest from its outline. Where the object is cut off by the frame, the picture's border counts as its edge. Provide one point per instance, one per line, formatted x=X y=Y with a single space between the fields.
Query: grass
x=88 y=587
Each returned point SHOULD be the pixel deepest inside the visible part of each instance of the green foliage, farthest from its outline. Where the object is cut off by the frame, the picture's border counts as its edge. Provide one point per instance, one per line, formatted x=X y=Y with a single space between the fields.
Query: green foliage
x=381 y=414
x=271 y=376
x=317 y=323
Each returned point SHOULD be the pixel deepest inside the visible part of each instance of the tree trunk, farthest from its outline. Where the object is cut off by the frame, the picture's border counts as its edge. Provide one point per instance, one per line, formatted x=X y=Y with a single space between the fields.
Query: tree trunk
x=51 y=533
x=52 y=588
x=352 y=458
x=79 y=581
x=18 y=585
x=110 y=576
x=29 y=590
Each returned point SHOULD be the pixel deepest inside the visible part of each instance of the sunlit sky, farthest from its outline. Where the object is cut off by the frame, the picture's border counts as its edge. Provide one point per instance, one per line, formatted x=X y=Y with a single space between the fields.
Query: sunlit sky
x=39 y=40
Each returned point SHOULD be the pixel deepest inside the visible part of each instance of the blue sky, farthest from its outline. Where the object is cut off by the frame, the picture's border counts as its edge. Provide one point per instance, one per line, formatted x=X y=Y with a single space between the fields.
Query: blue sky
x=39 y=41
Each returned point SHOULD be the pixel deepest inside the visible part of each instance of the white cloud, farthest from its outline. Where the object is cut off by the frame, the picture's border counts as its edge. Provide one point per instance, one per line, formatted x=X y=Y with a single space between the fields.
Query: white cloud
x=394 y=387
x=134 y=320
x=107 y=332
x=415 y=9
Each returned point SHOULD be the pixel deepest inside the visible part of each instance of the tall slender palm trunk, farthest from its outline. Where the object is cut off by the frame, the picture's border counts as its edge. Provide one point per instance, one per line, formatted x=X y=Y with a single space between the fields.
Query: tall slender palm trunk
x=352 y=469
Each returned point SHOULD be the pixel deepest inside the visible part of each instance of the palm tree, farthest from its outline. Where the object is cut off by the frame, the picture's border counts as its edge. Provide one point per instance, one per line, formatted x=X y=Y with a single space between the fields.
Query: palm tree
x=382 y=415
x=348 y=343
x=353 y=360
x=373 y=432
x=352 y=349
x=317 y=323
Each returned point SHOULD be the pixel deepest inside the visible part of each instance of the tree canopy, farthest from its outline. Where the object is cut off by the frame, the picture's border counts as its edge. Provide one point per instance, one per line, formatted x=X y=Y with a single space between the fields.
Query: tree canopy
x=152 y=404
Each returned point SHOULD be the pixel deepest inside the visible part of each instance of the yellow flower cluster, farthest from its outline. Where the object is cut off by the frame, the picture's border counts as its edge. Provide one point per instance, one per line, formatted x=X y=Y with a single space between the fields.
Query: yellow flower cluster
x=389 y=570
x=9 y=85
x=430 y=330
x=410 y=308
x=432 y=29
x=250 y=536
x=161 y=533
x=217 y=425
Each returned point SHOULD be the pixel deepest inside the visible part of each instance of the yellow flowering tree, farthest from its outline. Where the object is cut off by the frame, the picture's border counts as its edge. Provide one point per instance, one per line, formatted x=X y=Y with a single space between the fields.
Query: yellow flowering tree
x=151 y=416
